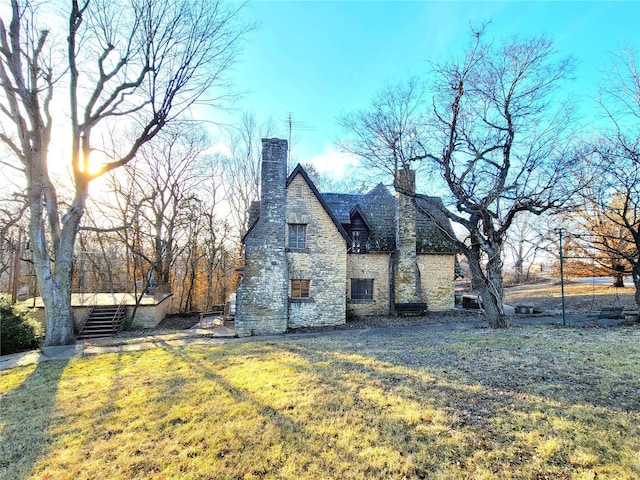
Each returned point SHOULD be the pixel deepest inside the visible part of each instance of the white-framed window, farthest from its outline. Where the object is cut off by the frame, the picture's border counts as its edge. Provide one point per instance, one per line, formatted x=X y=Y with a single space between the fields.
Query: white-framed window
x=297 y=235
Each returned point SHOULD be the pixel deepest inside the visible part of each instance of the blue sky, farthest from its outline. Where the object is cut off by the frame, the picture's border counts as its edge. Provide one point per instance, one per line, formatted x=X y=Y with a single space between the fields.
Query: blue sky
x=320 y=59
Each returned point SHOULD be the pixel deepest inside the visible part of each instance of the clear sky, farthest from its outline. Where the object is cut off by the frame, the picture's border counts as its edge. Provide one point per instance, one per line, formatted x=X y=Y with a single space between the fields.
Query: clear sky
x=320 y=59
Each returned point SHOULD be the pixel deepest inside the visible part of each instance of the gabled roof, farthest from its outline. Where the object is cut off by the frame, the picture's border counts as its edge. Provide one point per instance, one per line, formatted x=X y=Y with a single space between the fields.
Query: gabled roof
x=377 y=208
x=358 y=211
x=299 y=170
x=434 y=231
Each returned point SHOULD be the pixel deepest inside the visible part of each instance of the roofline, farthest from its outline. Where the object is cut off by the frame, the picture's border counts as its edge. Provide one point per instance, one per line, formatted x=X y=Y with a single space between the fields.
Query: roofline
x=358 y=209
x=244 y=237
x=300 y=170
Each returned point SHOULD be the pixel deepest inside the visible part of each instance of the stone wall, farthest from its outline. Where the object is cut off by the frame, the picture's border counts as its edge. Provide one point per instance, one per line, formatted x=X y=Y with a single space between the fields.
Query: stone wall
x=437 y=274
x=323 y=261
x=407 y=275
x=80 y=315
x=375 y=266
x=149 y=316
x=262 y=299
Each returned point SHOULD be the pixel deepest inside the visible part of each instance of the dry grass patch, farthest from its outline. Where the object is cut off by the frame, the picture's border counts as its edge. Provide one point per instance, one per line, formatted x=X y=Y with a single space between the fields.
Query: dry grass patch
x=579 y=297
x=527 y=403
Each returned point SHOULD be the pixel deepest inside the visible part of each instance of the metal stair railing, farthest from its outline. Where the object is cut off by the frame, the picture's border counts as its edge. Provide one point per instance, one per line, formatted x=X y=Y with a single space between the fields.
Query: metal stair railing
x=91 y=306
x=117 y=322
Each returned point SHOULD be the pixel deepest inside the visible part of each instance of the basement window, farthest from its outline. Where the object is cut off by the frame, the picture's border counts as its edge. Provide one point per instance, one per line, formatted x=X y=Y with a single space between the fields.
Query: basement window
x=300 y=288
x=361 y=289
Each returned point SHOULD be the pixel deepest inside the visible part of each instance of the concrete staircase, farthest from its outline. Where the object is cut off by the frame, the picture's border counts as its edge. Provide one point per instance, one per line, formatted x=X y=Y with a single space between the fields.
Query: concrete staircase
x=104 y=321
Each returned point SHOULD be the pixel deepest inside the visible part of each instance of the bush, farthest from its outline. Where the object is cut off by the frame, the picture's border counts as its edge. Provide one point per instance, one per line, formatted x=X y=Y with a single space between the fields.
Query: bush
x=18 y=331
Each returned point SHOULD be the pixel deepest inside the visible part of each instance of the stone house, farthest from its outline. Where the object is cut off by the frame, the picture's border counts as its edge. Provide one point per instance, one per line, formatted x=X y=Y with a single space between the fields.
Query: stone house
x=313 y=259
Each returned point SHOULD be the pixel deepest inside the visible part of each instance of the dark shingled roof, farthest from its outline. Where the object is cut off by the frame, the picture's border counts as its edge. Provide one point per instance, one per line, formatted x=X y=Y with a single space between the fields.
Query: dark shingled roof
x=434 y=232
x=379 y=206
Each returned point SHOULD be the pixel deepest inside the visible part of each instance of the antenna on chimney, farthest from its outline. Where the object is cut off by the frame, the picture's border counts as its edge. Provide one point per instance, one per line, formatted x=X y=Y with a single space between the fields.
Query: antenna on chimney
x=293 y=124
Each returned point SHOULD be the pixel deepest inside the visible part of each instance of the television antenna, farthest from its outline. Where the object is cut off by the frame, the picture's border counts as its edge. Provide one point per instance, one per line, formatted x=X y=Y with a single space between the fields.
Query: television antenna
x=297 y=125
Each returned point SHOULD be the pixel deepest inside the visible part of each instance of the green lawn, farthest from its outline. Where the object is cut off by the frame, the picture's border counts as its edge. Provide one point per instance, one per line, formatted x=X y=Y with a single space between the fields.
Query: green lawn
x=529 y=403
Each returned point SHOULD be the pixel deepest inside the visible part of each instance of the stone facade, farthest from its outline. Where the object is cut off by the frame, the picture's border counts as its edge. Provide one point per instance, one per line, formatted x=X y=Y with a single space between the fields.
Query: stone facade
x=377 y=266
x=323 y=261
x=149 y=316
x=437 y=277
x=407 y=275
x=311 y=259
x=262 y=300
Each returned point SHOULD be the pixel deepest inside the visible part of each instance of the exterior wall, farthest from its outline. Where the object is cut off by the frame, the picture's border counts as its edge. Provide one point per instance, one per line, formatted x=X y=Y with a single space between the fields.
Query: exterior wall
x=323 y=262
x=149 y=316
x=407 y=275
x=80 y=315
x=263 y=295
x=437 y=274
x=366 y=266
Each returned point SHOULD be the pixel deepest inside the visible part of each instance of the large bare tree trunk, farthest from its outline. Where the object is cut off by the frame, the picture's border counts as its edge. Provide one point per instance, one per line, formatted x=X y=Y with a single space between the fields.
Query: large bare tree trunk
x=54 y=278
x=489 y=286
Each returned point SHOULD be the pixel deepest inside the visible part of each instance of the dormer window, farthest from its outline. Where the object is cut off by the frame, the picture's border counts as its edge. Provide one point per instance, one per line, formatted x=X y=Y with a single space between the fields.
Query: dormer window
x=355 y=242
x=359 y=231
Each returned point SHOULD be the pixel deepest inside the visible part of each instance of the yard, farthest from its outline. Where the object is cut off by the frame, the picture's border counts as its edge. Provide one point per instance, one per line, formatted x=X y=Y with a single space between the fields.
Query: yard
x=580 y=297
x=434 y=402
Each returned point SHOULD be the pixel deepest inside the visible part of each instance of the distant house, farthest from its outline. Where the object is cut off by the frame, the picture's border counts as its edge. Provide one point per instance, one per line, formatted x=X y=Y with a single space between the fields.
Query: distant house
x=312 y=259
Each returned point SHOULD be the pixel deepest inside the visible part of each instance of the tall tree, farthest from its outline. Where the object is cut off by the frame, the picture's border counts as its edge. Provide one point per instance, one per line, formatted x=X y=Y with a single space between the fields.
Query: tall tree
x=132 y=66
x=242 y=168
x=619 y=160
x=492 y=133
x=610 y=210
x=527 y=238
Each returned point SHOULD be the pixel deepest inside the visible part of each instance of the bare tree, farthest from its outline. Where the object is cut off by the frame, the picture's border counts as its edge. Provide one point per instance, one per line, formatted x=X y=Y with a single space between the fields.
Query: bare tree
x=134 y=66
x=168 y=176
x=389 y=135
x=12 y=208
x=526 y=240
x=241 y=171
x=215 y=237
x=609 y=214
x=619 y=161
x=601 y=236
x=496 y=140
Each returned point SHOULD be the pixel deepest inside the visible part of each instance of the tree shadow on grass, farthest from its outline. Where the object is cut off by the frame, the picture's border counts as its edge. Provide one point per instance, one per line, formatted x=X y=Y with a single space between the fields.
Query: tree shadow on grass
x=299 y=434
x=500 y=412
x=26 y=412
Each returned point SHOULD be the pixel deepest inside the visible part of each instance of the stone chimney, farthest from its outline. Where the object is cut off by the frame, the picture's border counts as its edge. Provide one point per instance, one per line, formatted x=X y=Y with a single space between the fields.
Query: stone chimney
x=262 y=302
x=273 y=181
x=407 y=275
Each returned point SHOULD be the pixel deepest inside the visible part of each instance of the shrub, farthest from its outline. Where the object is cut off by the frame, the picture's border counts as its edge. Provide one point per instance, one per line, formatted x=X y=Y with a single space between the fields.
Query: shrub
x=18 y=331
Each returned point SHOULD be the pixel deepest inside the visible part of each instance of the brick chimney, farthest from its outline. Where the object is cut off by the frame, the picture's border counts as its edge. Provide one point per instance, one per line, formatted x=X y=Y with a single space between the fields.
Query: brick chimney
x=262 y=302
x=407 y=275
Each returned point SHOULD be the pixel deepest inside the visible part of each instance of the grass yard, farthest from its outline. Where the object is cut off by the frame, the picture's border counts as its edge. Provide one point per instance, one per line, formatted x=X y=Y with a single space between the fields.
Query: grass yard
x=527 y=403
x=579 y=297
